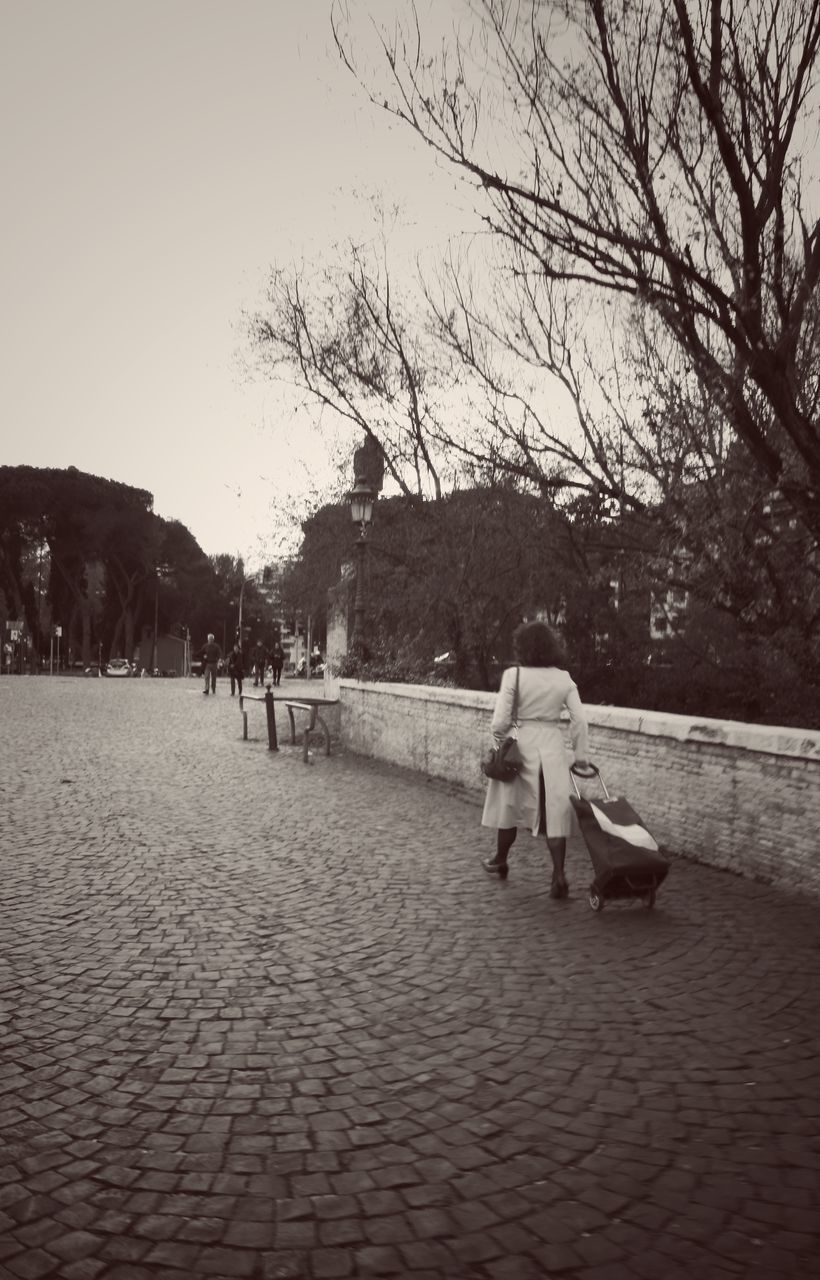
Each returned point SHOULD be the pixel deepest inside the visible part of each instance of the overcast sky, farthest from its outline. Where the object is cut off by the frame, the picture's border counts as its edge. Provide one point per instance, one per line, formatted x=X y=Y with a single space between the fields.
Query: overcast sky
x=157 y=156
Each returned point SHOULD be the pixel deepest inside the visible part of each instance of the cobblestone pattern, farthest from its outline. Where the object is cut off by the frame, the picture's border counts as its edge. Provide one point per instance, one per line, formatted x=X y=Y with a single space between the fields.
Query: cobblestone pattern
x=265 y=1020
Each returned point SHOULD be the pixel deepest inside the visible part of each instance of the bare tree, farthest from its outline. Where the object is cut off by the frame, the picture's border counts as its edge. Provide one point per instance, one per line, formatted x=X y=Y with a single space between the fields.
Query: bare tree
x=649 y=149
x=538 y=410
x=648 y=462
x=344 y=337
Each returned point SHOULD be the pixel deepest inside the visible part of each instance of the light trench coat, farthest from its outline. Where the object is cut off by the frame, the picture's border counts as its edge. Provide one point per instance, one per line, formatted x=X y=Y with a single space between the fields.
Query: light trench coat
x=543 y=692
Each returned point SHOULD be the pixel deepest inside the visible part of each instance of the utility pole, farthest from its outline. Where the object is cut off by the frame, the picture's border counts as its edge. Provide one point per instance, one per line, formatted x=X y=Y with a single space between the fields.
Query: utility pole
x=156 y=622
x=241 y=595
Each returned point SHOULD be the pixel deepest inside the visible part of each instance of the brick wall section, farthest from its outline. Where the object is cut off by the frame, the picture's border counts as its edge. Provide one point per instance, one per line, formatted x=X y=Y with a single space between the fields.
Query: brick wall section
x=742 y=797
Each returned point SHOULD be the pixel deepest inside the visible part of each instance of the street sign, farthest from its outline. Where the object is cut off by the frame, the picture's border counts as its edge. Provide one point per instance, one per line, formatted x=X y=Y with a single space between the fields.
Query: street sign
x=15 y=626
x=15 y=635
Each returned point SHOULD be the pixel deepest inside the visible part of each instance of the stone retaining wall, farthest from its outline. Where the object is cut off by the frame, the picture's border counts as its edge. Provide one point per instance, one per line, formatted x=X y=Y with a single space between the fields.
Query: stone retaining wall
x=738 y=796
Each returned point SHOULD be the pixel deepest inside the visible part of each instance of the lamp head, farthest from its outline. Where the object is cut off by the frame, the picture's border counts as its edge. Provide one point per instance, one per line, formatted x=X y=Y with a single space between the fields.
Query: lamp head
x=361 y=503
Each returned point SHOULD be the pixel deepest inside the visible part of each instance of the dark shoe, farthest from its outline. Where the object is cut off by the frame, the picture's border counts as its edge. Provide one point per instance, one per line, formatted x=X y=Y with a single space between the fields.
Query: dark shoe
x=500 y=869
x=559 y=888
x=205 y=691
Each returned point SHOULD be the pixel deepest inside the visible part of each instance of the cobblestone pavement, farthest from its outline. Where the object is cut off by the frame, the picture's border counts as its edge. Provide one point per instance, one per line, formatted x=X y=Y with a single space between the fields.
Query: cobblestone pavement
x=266 y=1020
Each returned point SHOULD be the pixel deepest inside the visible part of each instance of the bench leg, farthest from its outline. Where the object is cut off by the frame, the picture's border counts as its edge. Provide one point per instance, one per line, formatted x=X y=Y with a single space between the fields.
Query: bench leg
x=309 y=727
x=326 y=732
x=245 y=726
x=292 y=726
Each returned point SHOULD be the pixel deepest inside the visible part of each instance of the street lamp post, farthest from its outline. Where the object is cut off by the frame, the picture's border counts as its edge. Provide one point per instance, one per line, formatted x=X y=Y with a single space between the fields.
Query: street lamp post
x=241 y=595
x=156 y=624
x=160 y=571
x=361 y=510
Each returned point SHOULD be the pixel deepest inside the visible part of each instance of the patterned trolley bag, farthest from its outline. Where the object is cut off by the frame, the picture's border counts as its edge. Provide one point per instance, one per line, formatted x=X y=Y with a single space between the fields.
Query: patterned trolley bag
x=624 y=854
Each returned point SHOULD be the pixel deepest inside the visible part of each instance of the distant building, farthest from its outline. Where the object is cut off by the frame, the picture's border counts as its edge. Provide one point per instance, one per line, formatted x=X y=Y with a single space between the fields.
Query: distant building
x=171 y=654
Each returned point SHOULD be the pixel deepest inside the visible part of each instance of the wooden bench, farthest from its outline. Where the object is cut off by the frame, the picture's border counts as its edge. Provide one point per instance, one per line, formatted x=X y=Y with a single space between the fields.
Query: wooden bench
x=312 y=706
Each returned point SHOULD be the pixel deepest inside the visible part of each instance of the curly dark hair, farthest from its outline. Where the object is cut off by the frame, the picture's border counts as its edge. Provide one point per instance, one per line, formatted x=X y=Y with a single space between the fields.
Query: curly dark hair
x=537 y=645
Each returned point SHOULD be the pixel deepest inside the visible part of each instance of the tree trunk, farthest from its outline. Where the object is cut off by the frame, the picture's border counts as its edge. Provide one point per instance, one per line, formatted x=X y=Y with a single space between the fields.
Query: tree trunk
x=85 y=617
x=129 y=632
x=115 y=638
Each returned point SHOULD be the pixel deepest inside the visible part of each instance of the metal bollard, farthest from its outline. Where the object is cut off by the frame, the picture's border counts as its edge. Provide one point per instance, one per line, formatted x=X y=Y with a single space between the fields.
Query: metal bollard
x=273 y=745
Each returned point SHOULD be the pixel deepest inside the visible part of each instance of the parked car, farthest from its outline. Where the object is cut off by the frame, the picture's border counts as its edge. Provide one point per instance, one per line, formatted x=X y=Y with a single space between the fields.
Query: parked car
x=118 y=667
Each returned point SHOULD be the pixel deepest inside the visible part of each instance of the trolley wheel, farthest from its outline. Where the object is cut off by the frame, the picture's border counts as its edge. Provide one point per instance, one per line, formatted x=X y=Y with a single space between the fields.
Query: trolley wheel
x=649 y=900
x=596 y=900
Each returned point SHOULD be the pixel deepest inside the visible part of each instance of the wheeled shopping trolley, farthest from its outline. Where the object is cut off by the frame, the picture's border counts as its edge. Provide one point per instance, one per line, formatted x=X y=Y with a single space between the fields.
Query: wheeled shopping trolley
x=624 y=854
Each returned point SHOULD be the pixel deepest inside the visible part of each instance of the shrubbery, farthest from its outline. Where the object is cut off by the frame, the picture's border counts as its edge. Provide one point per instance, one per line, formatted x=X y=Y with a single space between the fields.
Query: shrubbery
x=392 y=670
x=754 y=692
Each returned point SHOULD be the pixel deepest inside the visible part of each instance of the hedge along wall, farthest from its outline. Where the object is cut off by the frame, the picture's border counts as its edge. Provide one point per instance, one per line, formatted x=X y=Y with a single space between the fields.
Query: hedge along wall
x=742 y=797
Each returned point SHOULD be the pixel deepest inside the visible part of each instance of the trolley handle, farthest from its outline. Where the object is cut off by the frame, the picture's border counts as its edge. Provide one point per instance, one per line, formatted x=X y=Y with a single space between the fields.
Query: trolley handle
x=591 y=771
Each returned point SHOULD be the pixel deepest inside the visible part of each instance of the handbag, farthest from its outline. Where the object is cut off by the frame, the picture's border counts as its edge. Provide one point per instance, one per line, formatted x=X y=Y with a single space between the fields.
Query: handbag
x=503 y=763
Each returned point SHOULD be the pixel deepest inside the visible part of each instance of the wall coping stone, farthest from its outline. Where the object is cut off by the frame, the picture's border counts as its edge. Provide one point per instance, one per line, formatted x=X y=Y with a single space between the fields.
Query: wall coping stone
x=774 y=740
x=476 y=698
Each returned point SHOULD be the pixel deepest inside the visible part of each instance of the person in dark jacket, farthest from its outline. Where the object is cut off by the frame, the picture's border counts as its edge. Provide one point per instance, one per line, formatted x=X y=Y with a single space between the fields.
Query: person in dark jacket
x=259 y=660
x=210 y=664
x=277 y=658
x=236 y=669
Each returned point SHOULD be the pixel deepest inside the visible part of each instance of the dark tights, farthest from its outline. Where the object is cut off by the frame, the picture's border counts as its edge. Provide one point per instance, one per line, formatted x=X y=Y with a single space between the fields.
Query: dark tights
x=506 y=840
x=557 y=846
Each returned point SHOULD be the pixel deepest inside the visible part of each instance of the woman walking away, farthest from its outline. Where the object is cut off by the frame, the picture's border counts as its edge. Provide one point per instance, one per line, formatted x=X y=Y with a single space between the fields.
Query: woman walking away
x=538 y=797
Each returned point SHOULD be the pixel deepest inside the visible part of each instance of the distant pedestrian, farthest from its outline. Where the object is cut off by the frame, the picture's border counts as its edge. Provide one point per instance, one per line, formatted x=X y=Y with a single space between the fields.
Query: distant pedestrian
x=277 y=659
x=538 y=797
x=258 y=659
x=236 y=669
x=211 y=655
